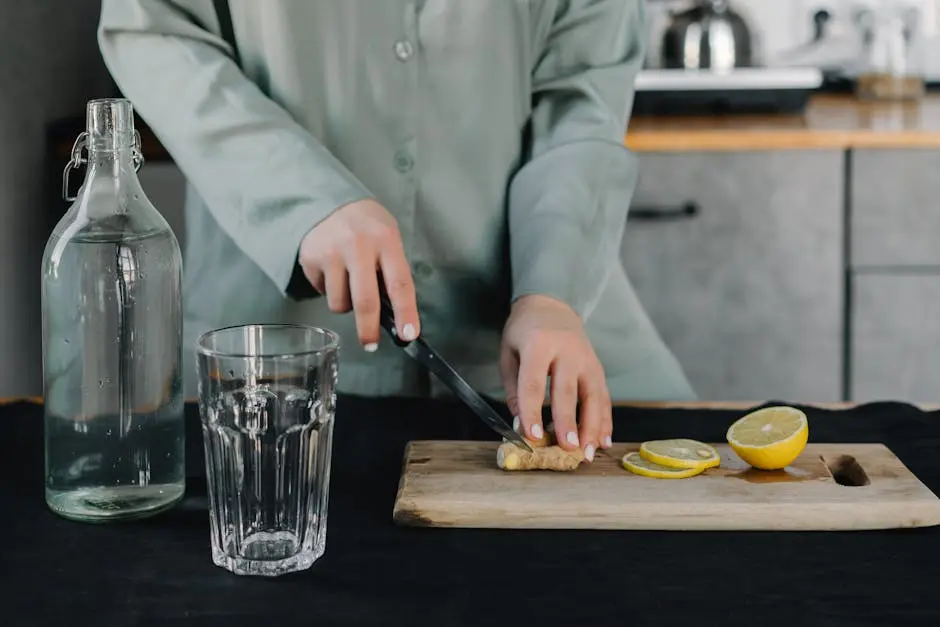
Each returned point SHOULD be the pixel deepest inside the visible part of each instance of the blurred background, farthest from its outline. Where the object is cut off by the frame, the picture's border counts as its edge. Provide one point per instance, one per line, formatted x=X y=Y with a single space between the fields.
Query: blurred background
x=783 y=233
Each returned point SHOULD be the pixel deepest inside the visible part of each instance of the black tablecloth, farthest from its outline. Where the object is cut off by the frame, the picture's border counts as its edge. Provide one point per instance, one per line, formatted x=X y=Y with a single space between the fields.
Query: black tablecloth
x=375 y=573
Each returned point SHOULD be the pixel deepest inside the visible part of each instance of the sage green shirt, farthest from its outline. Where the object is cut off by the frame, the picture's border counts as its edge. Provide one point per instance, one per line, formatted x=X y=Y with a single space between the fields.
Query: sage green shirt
x=493 y=130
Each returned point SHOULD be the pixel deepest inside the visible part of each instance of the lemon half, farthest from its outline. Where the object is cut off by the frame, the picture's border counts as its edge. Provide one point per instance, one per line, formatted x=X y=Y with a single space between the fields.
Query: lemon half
x=680 y=453
x=770 y=438
x=636 y=464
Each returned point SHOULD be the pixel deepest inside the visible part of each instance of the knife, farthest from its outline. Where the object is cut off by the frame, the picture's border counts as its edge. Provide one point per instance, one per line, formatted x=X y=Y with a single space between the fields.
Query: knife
x=420 y=351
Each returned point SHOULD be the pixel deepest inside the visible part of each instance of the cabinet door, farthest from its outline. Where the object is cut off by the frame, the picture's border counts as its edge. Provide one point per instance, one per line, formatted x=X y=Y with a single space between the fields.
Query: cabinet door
x=896 y=337
x=896 y=208
x=748 y=292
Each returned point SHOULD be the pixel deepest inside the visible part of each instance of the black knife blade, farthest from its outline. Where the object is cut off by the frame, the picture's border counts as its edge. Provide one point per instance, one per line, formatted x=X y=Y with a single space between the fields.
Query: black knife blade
x=421 y=351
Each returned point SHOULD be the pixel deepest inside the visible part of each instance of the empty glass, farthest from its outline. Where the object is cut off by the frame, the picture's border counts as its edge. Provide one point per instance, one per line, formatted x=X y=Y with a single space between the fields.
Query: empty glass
x=266 y=401
x=893 y=52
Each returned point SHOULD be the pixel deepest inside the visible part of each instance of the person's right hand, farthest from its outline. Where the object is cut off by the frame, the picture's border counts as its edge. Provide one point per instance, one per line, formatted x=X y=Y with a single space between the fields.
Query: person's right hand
x=342 y=256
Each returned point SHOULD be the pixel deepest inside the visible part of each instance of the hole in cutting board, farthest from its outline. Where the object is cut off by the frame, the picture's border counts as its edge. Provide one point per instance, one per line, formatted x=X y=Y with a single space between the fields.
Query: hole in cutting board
x=846 y=471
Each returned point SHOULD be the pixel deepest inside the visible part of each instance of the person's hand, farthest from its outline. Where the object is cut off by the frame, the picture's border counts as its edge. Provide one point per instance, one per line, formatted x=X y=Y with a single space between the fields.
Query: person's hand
x=544 y=337
x=342 y=256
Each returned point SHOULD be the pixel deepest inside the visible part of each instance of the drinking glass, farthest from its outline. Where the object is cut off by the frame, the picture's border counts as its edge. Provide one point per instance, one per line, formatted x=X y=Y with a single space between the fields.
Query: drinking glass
x=266 y=403
x=893 y=61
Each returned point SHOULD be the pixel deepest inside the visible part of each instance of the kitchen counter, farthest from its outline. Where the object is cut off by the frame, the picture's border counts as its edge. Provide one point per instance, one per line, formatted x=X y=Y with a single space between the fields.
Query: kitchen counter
x=839 y=122
x=159 y=571
x=829 y=122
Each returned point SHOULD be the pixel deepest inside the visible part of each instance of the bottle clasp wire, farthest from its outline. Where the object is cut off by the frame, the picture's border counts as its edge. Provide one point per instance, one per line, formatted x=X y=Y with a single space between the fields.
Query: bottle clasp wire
x=78 y=159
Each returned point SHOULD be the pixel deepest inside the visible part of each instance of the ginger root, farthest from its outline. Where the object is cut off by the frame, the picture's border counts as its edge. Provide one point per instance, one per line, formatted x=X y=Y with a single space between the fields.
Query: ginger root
x=547 y=439
x=551 y=457
x=545 y=455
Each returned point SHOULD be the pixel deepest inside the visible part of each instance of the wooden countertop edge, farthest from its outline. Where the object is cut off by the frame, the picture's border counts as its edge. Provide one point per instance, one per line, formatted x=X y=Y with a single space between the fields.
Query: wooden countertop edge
x=729 y=405
x=21 y=399
x=725 y=140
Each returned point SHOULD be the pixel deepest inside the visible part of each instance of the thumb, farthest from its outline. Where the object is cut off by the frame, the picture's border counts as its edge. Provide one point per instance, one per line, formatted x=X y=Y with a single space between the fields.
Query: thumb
x=509 y=372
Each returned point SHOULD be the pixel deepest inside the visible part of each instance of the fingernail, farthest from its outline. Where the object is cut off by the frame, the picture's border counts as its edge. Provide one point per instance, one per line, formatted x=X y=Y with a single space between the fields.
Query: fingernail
x=536 y=430
x=607 y=442
x=589 y=453
x=371 y=347
x=515 y=424
x=572 y=438
x=408 y=332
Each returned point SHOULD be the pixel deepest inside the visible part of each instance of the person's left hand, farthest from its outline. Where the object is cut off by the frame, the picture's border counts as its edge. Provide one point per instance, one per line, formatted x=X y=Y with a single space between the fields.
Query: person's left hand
x=544 y=337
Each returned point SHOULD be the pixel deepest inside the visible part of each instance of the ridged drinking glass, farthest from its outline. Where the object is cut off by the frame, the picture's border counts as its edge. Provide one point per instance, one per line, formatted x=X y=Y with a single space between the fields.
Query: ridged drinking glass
x=266 y=402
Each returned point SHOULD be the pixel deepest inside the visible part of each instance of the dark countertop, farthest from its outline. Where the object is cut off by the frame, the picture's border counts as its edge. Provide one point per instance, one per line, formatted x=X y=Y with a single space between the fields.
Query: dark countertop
x=376 y=573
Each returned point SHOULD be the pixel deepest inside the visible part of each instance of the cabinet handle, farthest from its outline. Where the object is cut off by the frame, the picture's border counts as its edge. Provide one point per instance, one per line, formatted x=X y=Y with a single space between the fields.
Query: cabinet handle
x=662 y=214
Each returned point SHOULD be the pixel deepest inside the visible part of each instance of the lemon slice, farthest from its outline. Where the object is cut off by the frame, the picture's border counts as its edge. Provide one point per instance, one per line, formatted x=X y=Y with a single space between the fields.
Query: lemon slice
x=680 y=453
x=770 y=438
x=636 y=464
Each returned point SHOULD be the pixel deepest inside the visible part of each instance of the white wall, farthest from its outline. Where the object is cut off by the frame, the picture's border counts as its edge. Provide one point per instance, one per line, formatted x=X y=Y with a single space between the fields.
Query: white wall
x=784 y=24
x=49 y=68
x=781 y=25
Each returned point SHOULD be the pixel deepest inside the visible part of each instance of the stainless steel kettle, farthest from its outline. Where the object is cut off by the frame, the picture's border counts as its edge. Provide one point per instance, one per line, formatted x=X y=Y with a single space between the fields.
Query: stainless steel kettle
x=709 y=35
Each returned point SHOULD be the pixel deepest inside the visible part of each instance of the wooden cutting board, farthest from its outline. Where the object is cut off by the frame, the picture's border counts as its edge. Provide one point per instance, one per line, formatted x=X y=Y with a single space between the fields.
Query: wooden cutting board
x=829 y=487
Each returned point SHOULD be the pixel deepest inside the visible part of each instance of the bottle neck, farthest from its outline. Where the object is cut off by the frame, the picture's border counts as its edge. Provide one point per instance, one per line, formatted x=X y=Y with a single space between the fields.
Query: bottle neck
x=110 y=180
x=116 y=161
x=111 y=177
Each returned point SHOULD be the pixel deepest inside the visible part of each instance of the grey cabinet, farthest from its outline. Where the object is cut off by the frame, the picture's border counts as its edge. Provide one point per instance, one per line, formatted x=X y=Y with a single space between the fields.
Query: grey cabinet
x=748 y=293
x=895 y=262
x=895 y=208
x=896 y=337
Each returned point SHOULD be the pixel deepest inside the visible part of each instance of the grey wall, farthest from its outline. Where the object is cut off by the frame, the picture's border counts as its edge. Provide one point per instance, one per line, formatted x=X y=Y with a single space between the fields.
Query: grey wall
x=49 y=68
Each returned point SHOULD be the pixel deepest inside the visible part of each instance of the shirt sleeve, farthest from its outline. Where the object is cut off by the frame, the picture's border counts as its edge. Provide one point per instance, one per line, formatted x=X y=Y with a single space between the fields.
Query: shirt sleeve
x=568 y=202
x=265 y=179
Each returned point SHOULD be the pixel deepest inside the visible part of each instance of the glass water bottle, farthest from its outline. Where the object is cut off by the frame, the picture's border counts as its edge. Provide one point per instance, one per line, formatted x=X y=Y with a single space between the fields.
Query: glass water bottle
x=112 y=336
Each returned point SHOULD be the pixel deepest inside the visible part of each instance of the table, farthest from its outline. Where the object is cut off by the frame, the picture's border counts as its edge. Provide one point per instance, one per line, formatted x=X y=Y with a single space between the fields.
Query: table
x=375 y=573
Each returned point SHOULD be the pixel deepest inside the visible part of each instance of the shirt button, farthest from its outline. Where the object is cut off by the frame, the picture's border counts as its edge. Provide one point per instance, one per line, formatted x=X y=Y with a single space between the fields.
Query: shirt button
x=403 y=50
x=403 y=161
x=423 y=270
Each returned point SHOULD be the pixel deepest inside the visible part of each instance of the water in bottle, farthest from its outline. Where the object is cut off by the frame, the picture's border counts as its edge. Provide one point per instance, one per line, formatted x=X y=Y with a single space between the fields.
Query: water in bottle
x=112 y=337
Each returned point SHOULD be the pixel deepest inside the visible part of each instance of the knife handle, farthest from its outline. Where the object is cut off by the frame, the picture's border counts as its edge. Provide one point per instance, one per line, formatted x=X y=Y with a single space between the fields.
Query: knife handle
x=387 y=315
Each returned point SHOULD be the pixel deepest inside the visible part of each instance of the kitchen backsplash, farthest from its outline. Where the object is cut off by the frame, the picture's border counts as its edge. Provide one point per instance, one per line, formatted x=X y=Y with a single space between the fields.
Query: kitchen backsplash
x=780 y=26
